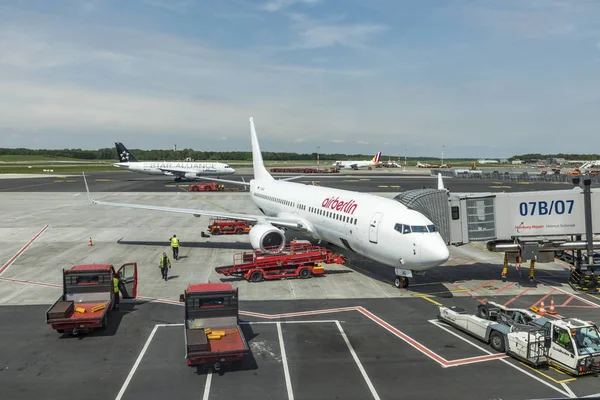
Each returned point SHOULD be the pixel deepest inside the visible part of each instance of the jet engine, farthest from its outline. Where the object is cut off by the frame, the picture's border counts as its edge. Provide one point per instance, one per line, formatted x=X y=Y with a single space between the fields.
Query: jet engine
x=190 y=175
x=267 y=238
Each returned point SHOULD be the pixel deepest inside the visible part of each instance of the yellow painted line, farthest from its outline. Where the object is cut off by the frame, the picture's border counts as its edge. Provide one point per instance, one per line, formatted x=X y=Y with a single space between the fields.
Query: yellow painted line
x=350 y=180
x=500 y=187
x=591 y=295
x=382 y=186
x=497 y=183
x=523 y=183
x=70 y=180
x=395 y=186
x=184 y=185
x=105 y=180
x=170 y=185
x=547 y=376
x=447 y=291
x=364 y=179
x=58 y=181
x=428 y=299
x=426 y=284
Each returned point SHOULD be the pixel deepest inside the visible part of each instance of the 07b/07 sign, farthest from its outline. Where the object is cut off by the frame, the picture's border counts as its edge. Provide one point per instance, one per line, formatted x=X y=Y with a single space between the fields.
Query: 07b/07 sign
x=556 y=207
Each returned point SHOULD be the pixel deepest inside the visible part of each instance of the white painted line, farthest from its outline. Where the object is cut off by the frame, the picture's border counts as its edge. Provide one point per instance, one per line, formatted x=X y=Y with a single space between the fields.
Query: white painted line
x=570 y=294
x=439 y=325
x=207 y=386
x=76 y=194
x=14 y=258
x=165 y=325
x=358 y=363
x=537 y=378
x=568 y=389
x=286 y=322
x=137 y=363
x=286 y=370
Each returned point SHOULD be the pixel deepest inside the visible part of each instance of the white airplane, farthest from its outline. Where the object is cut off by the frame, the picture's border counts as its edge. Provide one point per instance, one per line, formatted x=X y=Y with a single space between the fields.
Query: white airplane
x=358 y=164
x=375 y=227
x=180 y=170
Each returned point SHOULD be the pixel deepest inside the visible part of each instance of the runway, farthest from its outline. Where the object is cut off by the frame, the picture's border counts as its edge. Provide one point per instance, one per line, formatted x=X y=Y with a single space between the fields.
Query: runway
x=119 y=181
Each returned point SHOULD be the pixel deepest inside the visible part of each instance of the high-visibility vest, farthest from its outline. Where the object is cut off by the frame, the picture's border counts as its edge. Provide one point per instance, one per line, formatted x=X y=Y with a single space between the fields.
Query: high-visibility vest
x=174 y=242
x=163 y=261
x=116 y=285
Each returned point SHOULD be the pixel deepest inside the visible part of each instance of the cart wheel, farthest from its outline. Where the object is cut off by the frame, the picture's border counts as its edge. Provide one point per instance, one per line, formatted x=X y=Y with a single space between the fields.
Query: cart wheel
x=207 y=189
x=216 y=232
x=305 y=273
x=256 y=276
x=497 y=341
x=401 y=282
x=60 y=331
x=194 y=188
x=483 y=312
x=239 y=231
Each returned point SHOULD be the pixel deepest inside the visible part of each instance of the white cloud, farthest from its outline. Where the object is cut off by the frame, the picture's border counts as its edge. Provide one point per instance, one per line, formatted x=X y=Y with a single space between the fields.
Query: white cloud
x=314 y=34
x=362 y=142
x=337 y=141
x=277 y=5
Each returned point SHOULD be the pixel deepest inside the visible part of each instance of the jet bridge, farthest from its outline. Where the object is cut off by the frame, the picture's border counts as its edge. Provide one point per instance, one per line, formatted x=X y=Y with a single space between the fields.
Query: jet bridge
x=526 y=226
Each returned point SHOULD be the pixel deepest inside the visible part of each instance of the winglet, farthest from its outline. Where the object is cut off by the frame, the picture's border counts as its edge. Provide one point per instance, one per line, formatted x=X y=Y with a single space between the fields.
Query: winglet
x=87 y=189
x=440 y=182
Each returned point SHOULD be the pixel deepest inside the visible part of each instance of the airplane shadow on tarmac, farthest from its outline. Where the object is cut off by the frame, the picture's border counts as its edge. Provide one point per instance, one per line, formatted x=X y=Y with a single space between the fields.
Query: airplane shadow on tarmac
x=112 y=324
x=196 y=245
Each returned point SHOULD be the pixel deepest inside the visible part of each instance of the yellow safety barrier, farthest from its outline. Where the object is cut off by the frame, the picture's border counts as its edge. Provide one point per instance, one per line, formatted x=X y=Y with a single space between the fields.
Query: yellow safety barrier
x=99 y=307
x=80 y=309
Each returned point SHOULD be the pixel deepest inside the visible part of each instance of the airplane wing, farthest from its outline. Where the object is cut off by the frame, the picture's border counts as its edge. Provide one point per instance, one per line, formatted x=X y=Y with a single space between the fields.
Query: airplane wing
x=292 y=223
x=177 y=171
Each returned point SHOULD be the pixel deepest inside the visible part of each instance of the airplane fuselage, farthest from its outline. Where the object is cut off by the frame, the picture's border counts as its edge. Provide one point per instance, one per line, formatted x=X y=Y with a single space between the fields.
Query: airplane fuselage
x=354 y=164
x=158 y=168
x=366 y=224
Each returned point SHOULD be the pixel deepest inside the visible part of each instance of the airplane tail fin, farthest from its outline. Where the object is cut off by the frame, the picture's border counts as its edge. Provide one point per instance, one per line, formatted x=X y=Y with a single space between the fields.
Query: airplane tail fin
x=377 y=158
x=124 y=154
x=260 y=172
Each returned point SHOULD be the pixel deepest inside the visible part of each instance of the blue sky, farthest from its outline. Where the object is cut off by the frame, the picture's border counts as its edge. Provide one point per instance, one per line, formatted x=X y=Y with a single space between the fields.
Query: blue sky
x=481 y=78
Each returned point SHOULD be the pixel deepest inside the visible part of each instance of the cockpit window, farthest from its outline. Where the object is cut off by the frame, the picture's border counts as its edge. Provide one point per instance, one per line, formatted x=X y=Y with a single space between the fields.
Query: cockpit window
x=406 y=229
x=419 y=228
x=226 y=166
x=398 y=227
x=432 y=228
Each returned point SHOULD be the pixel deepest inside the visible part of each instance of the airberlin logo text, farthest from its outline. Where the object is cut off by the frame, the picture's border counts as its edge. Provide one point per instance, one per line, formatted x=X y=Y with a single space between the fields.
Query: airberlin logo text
x=339 y=205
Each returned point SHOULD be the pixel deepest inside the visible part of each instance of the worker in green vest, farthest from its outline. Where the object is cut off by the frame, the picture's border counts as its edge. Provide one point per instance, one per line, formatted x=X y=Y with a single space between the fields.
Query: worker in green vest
x=175 y=246
x=164 y=265
x=116 y=290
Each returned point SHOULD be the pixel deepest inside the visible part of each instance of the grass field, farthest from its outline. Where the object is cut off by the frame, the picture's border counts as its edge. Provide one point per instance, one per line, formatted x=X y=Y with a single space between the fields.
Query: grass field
x=57 y=169
x=25 y=159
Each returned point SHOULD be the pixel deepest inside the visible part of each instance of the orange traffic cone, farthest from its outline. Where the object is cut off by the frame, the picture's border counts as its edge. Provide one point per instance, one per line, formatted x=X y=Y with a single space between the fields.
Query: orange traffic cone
x=542 y=310
x=551 y=310
x=90 y=243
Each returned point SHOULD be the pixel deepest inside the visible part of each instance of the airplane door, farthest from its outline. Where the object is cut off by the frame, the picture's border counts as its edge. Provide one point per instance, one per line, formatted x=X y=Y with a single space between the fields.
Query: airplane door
x=128 y=276
x=374 y=226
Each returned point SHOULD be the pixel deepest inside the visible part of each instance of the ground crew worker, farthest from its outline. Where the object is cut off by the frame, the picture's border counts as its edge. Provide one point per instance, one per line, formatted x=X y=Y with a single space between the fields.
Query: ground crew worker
x=175 y=246
x=564 y=339
x=221 y=187
x=116 y=290
x=164 y=265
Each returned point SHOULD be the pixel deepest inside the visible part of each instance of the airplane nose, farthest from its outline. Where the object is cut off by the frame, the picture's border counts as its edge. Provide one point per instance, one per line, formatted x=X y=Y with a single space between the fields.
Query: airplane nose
x=434 y=252
x=230 y=170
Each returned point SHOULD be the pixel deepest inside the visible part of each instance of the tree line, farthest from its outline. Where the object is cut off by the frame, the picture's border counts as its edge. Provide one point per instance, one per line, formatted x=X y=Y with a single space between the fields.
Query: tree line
x=537 y=156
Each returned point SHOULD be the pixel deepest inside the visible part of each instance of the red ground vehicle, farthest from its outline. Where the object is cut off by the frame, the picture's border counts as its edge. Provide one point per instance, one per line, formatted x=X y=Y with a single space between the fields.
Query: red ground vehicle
x=88 y=296
x=224 y=226
x=212 y=331
x=298 y=259
x=305 y=170
x=206 y=187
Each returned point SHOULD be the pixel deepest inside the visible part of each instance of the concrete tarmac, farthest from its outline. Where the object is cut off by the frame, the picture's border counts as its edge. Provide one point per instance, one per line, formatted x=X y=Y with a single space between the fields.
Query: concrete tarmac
x=371 y=181
x=370 y=352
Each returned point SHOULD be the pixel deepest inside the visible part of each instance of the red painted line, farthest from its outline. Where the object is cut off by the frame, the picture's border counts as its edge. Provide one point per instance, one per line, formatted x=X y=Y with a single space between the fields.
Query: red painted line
x=567 y=301
x=12 y=260
x=298 y=314
x=542 y=299
x=571 y=294
x=30 y=282
x=485 y=284
x=502 y=289
x=439 y=359
x=576 y=307
x=472 y=360
x=517 y=296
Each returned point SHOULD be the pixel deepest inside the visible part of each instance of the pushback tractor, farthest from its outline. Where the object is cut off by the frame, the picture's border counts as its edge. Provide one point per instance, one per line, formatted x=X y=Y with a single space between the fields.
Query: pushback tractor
x=570 y=345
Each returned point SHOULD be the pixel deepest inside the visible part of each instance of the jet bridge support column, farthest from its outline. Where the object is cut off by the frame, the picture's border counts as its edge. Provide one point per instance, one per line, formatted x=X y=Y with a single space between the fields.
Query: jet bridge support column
x=531 y=270
x=505 y=267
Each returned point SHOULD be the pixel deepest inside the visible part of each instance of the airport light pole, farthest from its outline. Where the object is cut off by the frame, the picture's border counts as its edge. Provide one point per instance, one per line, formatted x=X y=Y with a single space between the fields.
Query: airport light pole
x=443 y=147
x=318 y=148
x=405 y=159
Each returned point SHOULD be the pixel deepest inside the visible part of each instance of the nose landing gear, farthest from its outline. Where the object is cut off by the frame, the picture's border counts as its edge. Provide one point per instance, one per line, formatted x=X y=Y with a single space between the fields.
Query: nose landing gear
x=401 y=282
x=402 y=275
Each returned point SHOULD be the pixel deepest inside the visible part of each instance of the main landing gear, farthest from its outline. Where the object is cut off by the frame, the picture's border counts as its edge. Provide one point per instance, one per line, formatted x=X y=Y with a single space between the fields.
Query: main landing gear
x=401 y=281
